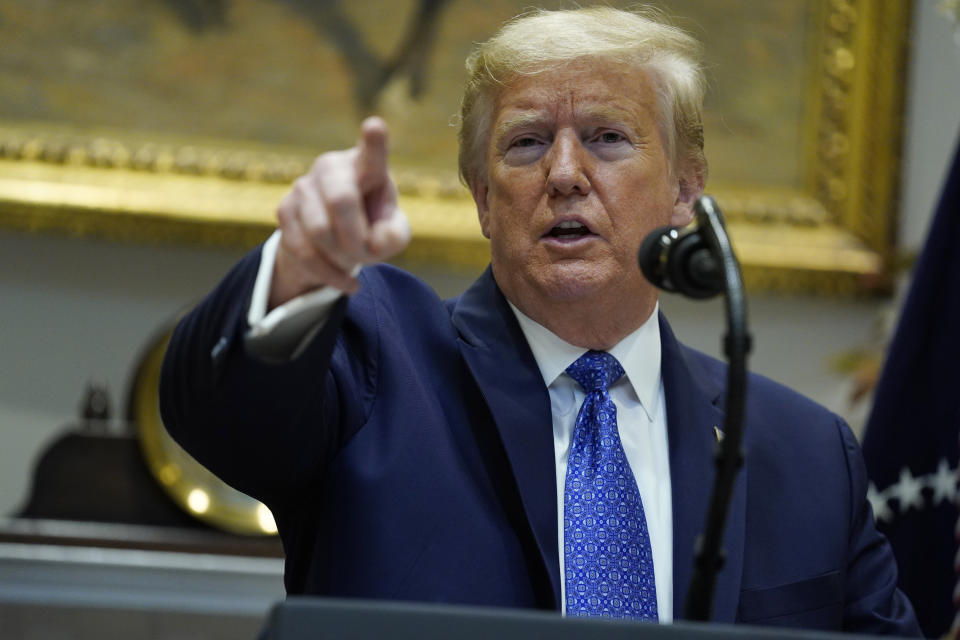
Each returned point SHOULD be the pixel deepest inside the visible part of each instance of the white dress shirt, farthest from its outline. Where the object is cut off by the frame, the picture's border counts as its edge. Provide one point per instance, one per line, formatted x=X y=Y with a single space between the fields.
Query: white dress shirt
x=638 y=395
x=284 y=332
x=641 y=420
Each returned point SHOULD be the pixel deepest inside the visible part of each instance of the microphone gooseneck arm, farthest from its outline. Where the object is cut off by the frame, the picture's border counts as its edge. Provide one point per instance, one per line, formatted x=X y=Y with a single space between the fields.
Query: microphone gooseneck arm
x=700 y=263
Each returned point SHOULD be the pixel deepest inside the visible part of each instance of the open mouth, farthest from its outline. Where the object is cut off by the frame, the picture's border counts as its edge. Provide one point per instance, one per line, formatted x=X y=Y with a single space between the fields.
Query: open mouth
x=569 y=230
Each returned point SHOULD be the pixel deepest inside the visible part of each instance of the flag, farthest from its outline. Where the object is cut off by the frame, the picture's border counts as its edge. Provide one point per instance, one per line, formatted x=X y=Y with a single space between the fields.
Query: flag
x=911 y=441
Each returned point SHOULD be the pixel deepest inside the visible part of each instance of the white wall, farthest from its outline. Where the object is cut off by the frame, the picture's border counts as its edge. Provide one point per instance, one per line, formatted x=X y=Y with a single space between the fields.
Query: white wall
x=76 y=311
x=933 y=119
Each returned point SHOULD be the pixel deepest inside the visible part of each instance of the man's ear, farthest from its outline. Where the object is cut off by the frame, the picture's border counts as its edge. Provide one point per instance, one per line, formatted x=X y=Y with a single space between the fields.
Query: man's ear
x=479 y=190
x=690 y=188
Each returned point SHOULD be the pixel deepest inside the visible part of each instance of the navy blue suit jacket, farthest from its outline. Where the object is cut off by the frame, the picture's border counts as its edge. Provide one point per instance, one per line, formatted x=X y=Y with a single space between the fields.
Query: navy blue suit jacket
x=408 y=454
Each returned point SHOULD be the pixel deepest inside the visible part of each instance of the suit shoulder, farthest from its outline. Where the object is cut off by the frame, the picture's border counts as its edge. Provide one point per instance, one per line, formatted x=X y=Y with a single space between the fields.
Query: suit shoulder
x=394 y=281
x=394 y=290
x=773 y=410
x=396 y=303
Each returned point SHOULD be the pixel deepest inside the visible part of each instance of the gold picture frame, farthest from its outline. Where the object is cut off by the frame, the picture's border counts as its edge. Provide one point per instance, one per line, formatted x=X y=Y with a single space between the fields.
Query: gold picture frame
x=829 y=228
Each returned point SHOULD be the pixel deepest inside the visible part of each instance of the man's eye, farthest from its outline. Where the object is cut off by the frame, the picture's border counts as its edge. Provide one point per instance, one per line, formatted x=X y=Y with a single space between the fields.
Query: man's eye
x=525 y=142
x=610 y=137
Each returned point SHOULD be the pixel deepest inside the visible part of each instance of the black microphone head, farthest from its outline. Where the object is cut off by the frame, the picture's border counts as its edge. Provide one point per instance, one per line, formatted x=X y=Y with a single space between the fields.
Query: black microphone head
x=653 y=254
x=678 y=260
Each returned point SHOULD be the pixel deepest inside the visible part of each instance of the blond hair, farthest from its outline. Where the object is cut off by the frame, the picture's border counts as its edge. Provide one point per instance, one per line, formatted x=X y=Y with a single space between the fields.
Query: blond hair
x=540 y=39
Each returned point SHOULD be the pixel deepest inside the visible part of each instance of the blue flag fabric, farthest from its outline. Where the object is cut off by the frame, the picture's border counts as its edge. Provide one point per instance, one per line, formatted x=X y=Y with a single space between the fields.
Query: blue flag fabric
x=911 y=442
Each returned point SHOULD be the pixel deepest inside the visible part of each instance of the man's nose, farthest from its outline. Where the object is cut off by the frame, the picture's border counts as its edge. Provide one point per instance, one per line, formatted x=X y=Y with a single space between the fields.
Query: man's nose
x=567 y=167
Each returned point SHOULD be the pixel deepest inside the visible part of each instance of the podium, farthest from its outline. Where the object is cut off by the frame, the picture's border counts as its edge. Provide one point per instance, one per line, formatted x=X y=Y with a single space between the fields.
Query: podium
x=303 y=618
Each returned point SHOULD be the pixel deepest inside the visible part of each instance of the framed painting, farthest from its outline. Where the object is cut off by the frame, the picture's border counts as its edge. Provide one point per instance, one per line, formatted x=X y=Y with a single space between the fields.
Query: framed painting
x=185 y=120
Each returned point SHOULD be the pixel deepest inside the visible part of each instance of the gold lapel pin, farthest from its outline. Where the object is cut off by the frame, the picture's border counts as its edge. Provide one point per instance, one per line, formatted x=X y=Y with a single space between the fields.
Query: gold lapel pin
x=718 y=433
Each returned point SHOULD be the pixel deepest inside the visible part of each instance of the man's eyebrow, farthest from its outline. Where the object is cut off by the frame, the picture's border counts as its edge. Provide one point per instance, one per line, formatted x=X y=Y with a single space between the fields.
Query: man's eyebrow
x=516 y=122
x=609 y=113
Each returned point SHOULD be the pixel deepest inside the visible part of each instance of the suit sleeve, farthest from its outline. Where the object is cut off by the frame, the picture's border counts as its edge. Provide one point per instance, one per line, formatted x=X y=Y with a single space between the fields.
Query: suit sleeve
x=267 y=428
x=873 y=604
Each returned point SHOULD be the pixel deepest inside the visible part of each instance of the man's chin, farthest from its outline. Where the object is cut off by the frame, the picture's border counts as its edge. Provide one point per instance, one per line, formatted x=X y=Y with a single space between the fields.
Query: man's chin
x=574 y=281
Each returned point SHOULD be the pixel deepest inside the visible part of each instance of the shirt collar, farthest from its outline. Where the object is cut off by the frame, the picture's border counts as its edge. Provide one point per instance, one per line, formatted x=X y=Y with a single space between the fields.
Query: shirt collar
x=638 y=354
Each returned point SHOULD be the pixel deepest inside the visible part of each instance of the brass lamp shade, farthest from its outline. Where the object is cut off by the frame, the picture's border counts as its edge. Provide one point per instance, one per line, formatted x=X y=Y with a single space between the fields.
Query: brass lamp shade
x=191 y=486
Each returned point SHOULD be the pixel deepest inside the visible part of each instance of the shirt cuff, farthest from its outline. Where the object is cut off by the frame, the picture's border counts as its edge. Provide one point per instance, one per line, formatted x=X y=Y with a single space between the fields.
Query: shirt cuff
x=285 y=332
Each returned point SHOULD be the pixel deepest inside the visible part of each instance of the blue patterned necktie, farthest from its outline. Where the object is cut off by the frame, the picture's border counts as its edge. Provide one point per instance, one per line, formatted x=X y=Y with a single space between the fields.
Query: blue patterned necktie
x=608 y=561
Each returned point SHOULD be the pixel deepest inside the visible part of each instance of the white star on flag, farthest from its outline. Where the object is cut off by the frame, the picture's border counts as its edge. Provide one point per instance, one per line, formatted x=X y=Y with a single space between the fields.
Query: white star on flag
x=908 y=491
x=943 y=483
x=881 y=510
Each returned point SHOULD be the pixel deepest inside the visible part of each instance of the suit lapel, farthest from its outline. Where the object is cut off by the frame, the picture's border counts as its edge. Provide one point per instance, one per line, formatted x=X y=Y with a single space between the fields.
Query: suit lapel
x=693 y=410
x=503 y=366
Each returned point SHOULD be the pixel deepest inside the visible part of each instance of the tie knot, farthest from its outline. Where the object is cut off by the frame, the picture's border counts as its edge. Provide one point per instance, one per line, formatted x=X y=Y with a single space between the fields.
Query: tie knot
x=595 y=371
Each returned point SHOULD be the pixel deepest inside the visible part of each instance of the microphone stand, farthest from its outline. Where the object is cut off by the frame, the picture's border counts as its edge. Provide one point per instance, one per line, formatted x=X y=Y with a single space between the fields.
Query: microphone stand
x=728 y=455
x=699 y=262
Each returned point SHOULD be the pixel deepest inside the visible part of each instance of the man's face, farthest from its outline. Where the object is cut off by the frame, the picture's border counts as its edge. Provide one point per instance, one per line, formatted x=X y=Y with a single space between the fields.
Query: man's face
x=577 y=175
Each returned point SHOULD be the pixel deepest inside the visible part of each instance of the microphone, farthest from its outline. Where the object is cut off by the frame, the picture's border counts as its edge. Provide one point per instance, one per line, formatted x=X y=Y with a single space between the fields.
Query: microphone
x=698 y=261
x=680 y=259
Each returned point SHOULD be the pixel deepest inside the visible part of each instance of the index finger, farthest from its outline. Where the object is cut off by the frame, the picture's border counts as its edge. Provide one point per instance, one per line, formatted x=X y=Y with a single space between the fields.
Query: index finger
x=371 y=164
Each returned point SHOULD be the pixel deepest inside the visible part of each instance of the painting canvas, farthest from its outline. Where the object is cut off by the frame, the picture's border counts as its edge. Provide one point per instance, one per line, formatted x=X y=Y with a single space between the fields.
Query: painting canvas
x=251 y=90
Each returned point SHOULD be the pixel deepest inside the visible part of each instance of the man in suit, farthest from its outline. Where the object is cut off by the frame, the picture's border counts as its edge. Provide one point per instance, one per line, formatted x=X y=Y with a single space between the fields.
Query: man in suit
x=542 y=440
